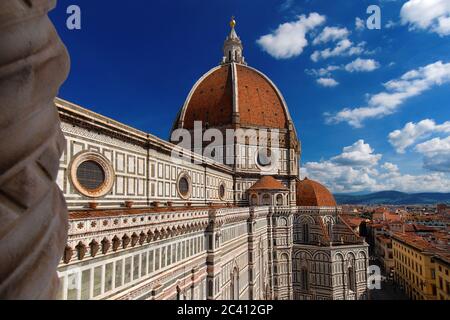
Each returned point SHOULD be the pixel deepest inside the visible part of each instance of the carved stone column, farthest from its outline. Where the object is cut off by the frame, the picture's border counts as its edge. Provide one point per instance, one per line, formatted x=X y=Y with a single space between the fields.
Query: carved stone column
x=33 y=213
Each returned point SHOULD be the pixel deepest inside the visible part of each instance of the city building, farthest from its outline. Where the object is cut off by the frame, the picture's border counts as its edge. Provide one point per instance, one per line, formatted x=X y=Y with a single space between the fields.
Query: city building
x=383 y=251
x=442 y=268
x=421 y=267
x=151 y=220
x=443 y=208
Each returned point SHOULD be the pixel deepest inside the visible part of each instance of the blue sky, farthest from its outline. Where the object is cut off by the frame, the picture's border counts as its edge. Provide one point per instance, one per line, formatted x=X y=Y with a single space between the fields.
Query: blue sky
x=372 y=107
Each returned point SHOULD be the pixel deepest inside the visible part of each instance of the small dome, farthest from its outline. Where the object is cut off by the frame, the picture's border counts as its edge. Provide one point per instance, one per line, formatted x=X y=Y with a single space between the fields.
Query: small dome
x=268 y=183
x=312 y=194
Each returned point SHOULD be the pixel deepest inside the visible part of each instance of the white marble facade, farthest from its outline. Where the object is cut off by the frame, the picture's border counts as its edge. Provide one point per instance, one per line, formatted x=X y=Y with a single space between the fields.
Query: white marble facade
x=166 y=245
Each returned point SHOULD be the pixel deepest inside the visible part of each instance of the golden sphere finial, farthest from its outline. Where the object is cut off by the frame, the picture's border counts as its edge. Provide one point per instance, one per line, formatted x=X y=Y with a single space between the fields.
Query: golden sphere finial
x=232 y=22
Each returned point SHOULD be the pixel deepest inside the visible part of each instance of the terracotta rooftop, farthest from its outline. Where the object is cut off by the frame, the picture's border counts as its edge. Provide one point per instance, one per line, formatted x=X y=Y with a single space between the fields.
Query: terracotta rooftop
x=384 y=239
x=353 y=221
x=312 y=194
x=420 y=243
x=392 y=217
x=378 y=226
x=418 y=228
x=212 y=100
x=268 y=183
x=412 y=240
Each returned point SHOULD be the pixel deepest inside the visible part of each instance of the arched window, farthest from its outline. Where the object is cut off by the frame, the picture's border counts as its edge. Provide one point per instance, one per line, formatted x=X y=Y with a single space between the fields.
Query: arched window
x=254 y=200
x=351 y=279
x=279 y=200
x=305 y=232
x=330 y=230
x=229 y=55
x=235 y=285
x=178 y=293
x=266 y=200
x=304 y=281
x=261 y=270
x=210 y=288
x=351 y=273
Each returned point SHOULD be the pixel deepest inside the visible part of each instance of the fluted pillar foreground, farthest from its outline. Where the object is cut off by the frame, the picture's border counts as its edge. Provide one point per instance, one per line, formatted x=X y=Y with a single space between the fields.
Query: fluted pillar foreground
x=33 y=214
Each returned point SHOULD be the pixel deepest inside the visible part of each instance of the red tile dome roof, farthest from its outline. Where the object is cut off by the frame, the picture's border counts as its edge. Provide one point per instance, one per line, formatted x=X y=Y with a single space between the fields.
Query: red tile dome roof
x=312 y=194
x=234 y=93
x=268 y=183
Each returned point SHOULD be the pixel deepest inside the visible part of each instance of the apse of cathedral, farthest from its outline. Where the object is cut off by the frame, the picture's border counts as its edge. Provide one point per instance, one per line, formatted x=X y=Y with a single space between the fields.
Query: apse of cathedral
x=237 y=225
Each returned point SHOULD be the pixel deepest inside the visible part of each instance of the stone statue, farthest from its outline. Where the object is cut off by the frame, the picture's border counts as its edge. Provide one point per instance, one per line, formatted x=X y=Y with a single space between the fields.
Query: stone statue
x=33 y=214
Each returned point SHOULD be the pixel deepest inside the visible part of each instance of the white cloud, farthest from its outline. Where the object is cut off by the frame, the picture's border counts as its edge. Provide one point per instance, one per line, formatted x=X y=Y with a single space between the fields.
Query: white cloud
x=434 y=182
x=352 y=170
x=432 y=15
x=289 y=39
x=390 y=167
x=434 y=147
x=437 y=154
x=412 y=132
x=343 y=48
x=358 y=65
x=362 y=65
x=327 y=82
x=359 y=24
x=339 y=178
x=322 y=72
x=360 y=154
x=411 y=84
x=357 y=168
x=436 y=151
x=331 y=34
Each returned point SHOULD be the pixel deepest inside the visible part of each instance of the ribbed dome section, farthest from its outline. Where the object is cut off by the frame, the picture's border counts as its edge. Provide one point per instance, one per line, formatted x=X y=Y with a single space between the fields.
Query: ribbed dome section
x=259 y=103
x=212 y=100
x=312 y=194
x=232 y=95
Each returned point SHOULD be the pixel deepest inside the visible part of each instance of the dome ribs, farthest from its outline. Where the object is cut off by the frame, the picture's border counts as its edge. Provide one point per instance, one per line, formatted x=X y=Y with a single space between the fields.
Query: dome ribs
x=212 y=100
x=259 y=103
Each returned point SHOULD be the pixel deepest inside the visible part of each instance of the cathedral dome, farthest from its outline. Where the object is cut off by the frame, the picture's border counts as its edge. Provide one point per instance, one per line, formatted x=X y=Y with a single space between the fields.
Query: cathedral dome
x=312 y=194
x=234 y=95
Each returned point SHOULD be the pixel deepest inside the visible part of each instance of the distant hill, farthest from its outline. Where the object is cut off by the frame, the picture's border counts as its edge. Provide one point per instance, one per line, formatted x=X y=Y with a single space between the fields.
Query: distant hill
x=393 y=198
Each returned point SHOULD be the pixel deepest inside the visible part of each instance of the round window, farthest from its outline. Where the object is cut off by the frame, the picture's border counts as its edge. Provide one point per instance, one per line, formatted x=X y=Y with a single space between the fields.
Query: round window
x=184 y=186
x=90 y=175
x=264 y=157
x=222 y=191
